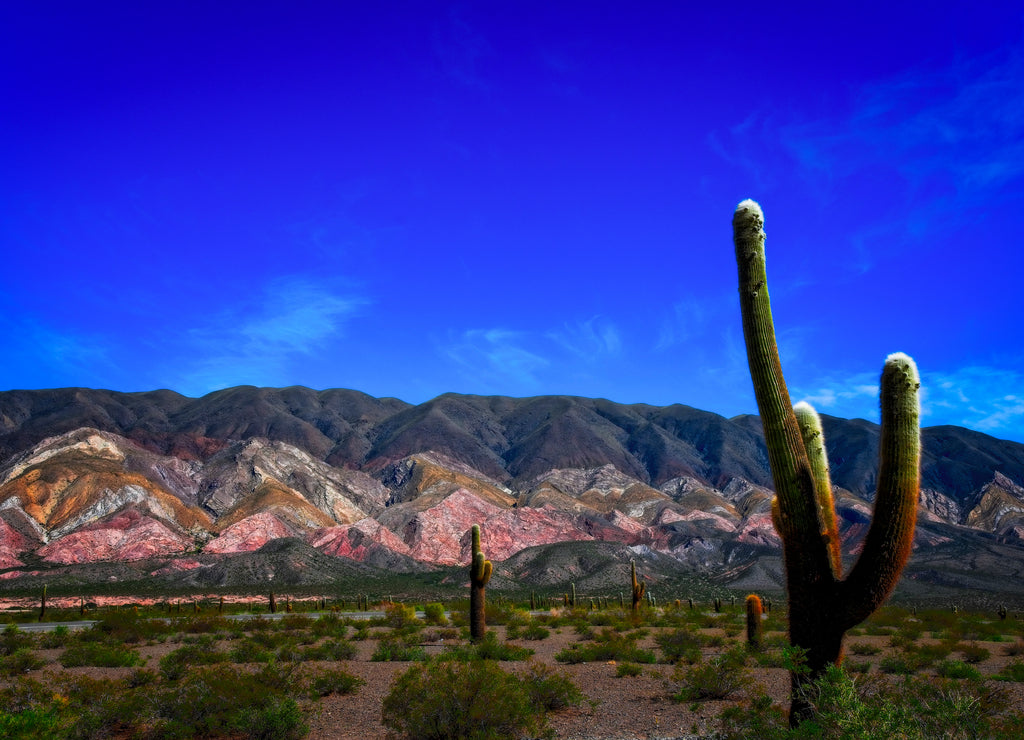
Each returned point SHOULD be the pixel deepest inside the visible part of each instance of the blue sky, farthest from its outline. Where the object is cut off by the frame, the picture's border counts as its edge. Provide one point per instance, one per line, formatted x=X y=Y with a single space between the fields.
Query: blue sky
x=513 y=198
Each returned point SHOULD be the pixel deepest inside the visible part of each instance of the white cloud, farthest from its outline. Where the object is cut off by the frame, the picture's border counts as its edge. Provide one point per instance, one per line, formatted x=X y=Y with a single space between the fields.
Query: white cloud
x=588 y=339
x=259 y=342
x=495 y=357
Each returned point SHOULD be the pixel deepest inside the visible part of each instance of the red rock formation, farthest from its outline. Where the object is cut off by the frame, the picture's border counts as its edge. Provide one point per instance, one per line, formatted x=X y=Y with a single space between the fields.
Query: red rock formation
x=356 y=541
x=249 y=534
x=128 y=535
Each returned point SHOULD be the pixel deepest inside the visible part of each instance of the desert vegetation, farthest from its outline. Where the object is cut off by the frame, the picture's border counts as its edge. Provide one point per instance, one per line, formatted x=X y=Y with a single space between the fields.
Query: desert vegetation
x=415 y=672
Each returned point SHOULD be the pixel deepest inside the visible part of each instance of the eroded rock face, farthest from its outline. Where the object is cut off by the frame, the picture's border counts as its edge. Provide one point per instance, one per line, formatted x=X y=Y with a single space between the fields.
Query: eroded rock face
x=128 y=535
x=88 y=496
x=357 y=541
x=249 y=534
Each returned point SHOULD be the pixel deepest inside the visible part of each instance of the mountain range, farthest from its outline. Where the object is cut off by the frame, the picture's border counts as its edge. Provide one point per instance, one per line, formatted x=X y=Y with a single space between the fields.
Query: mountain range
x=255 y=485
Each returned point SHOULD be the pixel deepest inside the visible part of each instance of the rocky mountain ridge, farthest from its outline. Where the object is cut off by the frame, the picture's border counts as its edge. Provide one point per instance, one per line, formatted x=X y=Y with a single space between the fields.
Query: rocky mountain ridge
x=177 y=483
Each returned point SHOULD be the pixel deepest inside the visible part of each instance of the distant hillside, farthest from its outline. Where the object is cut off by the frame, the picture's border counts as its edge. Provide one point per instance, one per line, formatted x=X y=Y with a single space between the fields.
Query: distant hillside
x=184 y=486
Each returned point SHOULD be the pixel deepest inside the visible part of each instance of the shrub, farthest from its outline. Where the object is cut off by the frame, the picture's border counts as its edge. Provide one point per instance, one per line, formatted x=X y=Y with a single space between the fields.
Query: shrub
x=223 y=700
x=549 y=690
x=721 y=677
x=1012 y=672
x=488 y=649
x=957 y=669
x=397 y=650
x=20 y=661
x=536 y=632
x=864 y=648
x=329 y=650
x=334 y=682
x=607 y=646
x=434 y=614
x=973 y=653
x=399 y=615
x=627 y=669
x=13 y=639
x=444 y=700
x=58 y=637
x=174 y=665
x=100 y=655
x=680 y=645
x=330 y=625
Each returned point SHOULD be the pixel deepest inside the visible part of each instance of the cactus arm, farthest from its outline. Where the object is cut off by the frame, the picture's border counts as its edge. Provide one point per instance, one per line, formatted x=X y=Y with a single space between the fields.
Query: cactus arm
x=814 y=445
x=891 y=535
x=806 y=560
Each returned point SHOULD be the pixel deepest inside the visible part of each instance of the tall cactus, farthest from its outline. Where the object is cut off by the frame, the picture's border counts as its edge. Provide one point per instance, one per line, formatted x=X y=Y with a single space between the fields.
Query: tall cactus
x=479 y=574
x=639 y=588
x=822 y=603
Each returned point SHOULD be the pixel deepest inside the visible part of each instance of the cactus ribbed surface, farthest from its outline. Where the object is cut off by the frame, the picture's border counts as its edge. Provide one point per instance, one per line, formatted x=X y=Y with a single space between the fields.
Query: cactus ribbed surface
x=822 y=603
x=480 y=569
x=755 y=629
x=639 y=588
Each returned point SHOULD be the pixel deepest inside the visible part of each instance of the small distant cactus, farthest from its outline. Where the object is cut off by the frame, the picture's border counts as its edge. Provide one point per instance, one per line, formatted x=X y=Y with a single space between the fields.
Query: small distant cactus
x=273 y=603
x=823 y=604
x=42 y=605
x=755 y=630
x=480 y=570
x=639 y=588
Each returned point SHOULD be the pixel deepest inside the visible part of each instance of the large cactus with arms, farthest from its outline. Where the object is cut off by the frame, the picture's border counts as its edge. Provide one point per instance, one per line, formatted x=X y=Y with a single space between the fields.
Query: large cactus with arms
x=480 y=569
x=822 y=603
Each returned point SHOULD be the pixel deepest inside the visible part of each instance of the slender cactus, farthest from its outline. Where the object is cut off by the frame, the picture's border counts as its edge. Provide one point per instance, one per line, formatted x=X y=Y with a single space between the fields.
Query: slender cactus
x=480 y=570
x=42 y=605
x=639 y=588
x=822 y=603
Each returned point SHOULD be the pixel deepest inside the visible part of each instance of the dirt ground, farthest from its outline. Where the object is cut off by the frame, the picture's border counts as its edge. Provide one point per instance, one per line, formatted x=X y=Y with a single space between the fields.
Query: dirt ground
x=627 y=707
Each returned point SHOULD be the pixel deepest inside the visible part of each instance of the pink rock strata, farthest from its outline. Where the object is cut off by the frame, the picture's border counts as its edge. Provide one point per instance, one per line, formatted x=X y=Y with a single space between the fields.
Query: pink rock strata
x=129 y=535
x=249 y=534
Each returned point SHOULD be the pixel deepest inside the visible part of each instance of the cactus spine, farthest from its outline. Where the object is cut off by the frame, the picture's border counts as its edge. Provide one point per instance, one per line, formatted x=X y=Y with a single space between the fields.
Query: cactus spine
x=479 y=574
x=823 y=604
x=639 y=588
x=755 y=630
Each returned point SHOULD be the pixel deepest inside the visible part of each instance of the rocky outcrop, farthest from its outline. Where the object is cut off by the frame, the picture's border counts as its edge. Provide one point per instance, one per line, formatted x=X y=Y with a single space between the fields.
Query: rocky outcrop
x=128 y=535
x=249 y=534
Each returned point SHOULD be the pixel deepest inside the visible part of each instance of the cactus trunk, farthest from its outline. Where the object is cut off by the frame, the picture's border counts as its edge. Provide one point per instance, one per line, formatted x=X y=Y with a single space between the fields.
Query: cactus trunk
x=822 y=604
x=639 y=588
x=755 y=629
x=479 y=574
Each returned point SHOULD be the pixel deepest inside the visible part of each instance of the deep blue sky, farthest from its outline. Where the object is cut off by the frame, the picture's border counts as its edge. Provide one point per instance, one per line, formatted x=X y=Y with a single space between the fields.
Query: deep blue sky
x=513 y=198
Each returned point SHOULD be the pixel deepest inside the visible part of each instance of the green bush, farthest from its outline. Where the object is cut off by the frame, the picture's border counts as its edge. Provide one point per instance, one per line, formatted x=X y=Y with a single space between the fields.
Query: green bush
x=444 y=700
x=488 y=649
x=226 y=701
x=627 y=669
x=720 y=677
x=20 y=661
x=329 y=650
x=535 y=632
x=680 y=645
x=608 y=645
x=100 y=655
x=957 y=669
x=174 y=665
x=864 y=648
x=434 y=614
x=334 y=682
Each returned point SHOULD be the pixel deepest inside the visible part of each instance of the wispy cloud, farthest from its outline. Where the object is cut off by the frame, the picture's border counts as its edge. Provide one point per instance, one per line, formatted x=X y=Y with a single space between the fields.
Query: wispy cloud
x=495 y=357
x=955 y=135
x=986 y=399
x=258 y=343
x=588 y=339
